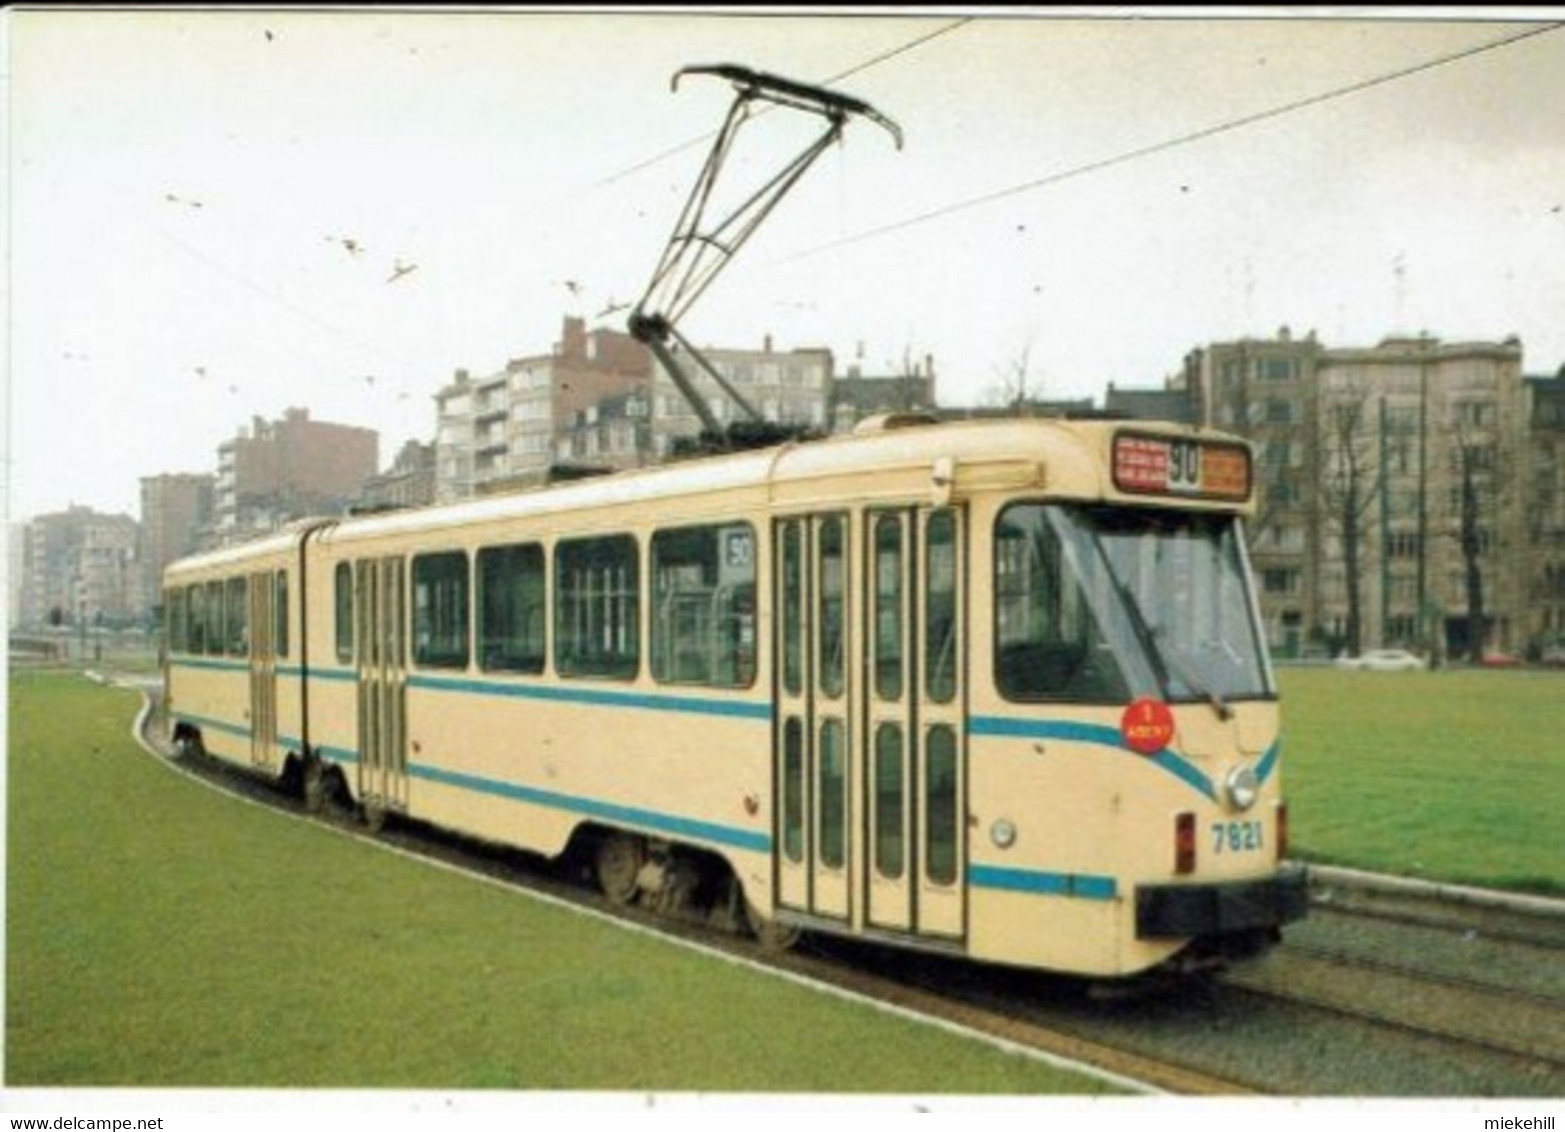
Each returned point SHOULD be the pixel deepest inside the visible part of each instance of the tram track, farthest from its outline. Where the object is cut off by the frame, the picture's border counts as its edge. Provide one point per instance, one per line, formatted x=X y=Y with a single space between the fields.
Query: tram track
x=1034 y=1030
x=1436 y=1011
x=1487 y=987
x=1505 y=1022
x=1471 y=1026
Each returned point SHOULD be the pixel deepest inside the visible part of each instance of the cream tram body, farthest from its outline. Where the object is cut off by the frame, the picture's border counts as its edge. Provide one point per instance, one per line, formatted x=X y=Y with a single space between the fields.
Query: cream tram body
x=234 y=633
x=996 y=689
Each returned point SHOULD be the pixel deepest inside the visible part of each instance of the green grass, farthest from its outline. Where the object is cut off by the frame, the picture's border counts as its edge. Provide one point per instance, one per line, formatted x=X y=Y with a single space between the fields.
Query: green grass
x=1456 y=775
x=161 y=935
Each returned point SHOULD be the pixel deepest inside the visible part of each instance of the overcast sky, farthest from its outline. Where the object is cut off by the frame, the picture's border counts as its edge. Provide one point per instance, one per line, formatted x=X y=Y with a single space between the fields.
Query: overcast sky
x=208 y=208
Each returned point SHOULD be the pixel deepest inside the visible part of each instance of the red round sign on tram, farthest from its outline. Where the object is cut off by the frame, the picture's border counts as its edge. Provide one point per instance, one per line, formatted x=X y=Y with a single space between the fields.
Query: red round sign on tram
x=1147 y=726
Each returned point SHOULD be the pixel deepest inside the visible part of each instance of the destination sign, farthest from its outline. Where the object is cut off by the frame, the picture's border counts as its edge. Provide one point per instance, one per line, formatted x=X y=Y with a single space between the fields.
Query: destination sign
x=1185 y=466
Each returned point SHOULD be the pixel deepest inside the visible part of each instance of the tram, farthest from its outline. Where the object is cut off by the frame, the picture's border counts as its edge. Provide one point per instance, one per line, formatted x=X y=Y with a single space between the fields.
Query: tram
x=995 y=689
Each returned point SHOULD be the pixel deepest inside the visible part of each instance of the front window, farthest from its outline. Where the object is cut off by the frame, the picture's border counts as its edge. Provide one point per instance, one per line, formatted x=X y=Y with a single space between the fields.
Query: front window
x=1103 y=605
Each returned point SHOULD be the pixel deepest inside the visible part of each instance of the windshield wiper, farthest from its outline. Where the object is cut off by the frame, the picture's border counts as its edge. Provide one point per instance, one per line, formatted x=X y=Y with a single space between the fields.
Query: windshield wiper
x=1163 y=662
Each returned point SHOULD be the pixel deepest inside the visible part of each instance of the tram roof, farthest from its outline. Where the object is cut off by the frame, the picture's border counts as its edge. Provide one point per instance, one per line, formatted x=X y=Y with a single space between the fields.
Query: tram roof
x=1075 y=453
x=277 y=543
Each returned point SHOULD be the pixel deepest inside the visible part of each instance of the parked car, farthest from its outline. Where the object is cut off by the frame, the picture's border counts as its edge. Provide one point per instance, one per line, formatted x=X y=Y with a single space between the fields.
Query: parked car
x=1553 y=655
x=1383 y=660
x=1500 y=660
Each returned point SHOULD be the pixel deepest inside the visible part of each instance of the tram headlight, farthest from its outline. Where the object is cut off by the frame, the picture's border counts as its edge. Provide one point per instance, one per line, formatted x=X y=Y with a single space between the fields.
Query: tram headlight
x=1003 y=833
x=1242 y=787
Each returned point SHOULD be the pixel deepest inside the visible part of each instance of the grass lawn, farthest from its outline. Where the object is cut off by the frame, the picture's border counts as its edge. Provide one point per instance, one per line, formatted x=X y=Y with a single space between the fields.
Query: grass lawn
x=158 y=935
x=1456 y=774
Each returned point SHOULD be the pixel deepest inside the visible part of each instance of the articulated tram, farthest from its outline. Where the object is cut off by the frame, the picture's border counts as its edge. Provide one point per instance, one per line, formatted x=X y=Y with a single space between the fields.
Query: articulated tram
x=996 y=689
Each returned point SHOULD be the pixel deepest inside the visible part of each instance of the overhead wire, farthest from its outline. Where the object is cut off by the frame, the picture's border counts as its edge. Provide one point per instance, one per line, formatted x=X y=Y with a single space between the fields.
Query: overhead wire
x=399 y=383
x=1164 y=145
x=1171 y=143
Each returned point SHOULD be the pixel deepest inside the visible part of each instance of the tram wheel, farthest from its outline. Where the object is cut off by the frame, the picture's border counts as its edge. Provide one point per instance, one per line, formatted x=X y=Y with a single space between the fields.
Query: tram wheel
x=771 y=934
x=617 y=866
x=374 y=816
x=312 y=786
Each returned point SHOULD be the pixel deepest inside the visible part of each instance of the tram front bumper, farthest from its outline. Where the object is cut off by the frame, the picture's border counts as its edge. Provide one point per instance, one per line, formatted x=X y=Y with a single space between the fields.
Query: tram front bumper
x=1177 y=911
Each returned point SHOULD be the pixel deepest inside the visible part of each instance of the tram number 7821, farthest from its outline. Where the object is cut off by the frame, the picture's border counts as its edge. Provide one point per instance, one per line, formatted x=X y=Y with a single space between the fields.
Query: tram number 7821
x=1236 y=837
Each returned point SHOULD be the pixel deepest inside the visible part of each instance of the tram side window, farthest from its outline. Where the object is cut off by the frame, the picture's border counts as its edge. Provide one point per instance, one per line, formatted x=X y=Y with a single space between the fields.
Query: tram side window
x=703 y=613
x=833 y=605
x=792 y=788
x=941 y=646
x=178 y=624
x=941 y=828
x=792 y=601
x=890 y=796
x=512 y=617
x=342 y=596
x=834 y=794
x=889 y=613
x=237 y=634
x=1048 y=645
x=281 y=629
x=440 y=610
x=597 y=608
x=216 y=625
x=196 y=641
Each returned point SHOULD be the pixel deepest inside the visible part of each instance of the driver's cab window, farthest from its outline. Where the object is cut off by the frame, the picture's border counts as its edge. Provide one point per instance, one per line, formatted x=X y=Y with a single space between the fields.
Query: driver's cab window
x=1047 y=642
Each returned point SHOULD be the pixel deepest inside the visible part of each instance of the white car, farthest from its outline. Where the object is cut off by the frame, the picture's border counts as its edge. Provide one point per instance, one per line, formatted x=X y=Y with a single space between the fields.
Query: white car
x=1383 y=660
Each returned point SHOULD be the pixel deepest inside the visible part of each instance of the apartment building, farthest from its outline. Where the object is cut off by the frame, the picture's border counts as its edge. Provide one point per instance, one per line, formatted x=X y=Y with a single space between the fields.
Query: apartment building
x=1393 y=494
x=409 y=482
x=176 y=508
x=276 y=471
x=856 y=395
x=786 y=387
x=501 y=431
x=614 y=434
x=1544 y=512
x=79 y=568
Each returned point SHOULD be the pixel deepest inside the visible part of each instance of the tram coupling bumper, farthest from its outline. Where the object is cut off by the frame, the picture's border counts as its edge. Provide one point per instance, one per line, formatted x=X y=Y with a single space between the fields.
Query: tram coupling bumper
x=1175 y=911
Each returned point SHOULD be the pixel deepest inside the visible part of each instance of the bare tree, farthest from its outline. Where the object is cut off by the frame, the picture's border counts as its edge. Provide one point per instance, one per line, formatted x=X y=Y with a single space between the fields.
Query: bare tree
x=1014 y=390
x=1474 y=522
x=912 y=384
x=1350 y=478
x=1469 y=536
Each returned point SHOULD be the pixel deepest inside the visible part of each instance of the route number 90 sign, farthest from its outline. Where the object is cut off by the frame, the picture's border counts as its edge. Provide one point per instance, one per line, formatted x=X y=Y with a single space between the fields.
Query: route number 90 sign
x=1183 y=466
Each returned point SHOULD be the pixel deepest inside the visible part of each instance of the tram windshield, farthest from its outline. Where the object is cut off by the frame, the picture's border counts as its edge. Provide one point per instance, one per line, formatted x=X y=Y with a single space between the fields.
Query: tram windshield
x=1104 y=605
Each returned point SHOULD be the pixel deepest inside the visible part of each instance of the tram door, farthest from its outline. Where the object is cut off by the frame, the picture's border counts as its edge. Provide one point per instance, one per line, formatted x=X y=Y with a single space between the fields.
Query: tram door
x=815 y=726
x=380 y=600
x=263 y=670
x=870 y=736
x=914 y=735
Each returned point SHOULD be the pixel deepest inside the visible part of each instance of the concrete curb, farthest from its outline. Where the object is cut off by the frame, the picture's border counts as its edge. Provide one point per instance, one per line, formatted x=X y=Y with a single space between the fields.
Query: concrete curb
x=1542 y=906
